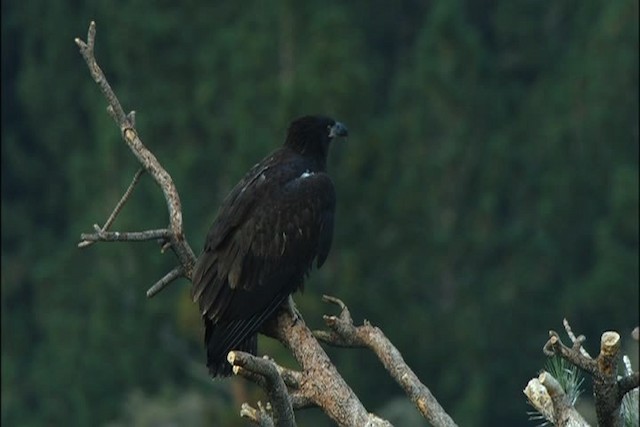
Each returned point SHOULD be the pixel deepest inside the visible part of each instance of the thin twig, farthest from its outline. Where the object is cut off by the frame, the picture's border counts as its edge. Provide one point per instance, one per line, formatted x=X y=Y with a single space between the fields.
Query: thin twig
x=554 y=346
x=166 y=280
x=628 y=369
x=87 y=51
x=123 y=200
x=259 y=417
x=575 y=339
x=117 y=209
x=628 y=383
x=125 y=236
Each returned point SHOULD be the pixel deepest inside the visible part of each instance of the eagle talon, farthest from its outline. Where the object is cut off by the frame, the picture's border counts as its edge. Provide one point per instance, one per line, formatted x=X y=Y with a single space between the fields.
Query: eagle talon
x=293 y=310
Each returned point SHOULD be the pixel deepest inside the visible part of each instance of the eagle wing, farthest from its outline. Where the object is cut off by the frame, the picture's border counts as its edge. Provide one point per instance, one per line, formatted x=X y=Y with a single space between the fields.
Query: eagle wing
x=271 y=227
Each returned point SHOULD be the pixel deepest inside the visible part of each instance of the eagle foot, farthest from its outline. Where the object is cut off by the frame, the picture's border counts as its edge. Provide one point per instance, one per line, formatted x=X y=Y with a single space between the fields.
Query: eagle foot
x=293 y=310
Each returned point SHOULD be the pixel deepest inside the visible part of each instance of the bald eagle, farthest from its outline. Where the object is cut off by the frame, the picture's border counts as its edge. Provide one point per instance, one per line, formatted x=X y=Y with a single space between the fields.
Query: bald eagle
x=268 y=232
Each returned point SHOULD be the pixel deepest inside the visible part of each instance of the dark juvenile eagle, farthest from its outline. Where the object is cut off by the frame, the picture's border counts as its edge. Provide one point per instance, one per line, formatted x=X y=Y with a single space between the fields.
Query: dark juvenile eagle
x=270 y=228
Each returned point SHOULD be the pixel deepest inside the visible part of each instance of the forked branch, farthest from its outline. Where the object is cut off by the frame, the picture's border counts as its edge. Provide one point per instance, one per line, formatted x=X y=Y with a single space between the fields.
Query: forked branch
x=609 y=390
x=89 y=239
x=173 y=235
x=343 y=333
x=264 y=372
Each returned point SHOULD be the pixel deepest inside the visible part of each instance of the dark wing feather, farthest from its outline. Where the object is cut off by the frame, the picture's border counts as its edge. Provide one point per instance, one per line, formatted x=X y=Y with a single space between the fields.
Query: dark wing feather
x=325 y=237
x=234 y=210
x=260 y=248
x=219 y=365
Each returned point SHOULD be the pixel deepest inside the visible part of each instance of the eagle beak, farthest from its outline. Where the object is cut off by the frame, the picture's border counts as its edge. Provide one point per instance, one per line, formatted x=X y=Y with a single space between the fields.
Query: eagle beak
x=338 y=129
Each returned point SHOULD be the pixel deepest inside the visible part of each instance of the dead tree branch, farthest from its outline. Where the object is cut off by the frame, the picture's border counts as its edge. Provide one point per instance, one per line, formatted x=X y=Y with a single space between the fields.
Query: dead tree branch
x=126 y=122
x=608 y=389
x=628 y=383
x=264 y=372
x=127 y=236
x=86 y=239
x=345 y=334
x=575 y=339
x=548 y=398
x=319 y=383
x=260 y=416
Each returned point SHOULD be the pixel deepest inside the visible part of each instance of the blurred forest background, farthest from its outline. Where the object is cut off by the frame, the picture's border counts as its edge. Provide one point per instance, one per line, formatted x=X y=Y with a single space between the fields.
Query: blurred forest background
x=489 y=188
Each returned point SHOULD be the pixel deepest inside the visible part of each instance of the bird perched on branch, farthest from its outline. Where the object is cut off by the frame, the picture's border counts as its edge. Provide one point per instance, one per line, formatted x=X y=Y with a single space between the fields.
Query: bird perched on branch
x=269 y=230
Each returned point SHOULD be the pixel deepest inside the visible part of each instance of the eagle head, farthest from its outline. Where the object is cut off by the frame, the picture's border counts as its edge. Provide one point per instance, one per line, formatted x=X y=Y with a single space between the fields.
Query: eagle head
x=311 y=135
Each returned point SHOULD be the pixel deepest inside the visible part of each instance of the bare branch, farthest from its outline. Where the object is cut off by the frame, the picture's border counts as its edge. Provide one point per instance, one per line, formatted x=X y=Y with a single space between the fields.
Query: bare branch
x=259 y=417
x=291 y=378
x=273 y=384
x=126 y=123
x=300 y=401
x=124 y=198
x=540 y=399
x=342 y=330
x=552 y=385
x=628 y=369
x=628 y=383
x=580 y=339
x=87 y=51
x=125 y=236
x=607 y=390
x=174 y=274
x=132 y=117
x=605 y=385
x=548 y=398
x=320 y=384
x=609 y=352
x=344 y=333
x=554 y=346
x=565 y=415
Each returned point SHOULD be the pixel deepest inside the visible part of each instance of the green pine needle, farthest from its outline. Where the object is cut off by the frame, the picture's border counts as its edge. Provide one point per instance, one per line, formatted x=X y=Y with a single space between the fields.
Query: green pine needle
x=568 y=376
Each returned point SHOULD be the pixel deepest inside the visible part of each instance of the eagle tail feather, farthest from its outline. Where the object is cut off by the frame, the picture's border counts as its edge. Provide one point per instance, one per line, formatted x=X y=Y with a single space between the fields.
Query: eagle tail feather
x=222 y=337
x=220 y=367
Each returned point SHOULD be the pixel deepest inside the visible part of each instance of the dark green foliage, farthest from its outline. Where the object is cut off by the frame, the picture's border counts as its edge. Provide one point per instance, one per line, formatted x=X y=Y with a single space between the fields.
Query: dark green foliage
x=489 y=188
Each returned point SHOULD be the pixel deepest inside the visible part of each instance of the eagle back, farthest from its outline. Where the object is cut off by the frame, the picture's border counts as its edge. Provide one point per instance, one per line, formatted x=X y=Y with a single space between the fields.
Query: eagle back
x=266 y=235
